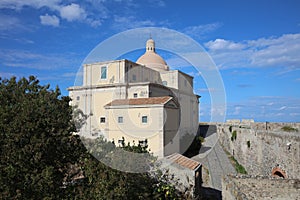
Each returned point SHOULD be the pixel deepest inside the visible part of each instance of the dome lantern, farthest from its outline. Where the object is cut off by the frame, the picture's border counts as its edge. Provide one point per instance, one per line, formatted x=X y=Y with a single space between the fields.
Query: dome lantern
x=150 y=45
x=151 y=59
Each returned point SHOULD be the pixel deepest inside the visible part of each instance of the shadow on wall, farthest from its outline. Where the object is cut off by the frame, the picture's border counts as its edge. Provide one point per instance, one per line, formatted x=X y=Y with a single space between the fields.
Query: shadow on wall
x=206 y=130
x=193 y=143
x=196 y=146
x=210 y=194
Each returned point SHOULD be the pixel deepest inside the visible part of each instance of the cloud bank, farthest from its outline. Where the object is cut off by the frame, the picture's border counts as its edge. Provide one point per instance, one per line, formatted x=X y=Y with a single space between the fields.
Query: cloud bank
x=282 y=51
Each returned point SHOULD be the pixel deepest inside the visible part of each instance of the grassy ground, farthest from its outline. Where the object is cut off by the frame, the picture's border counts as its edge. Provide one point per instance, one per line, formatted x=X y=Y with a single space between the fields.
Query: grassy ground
x=238 y=167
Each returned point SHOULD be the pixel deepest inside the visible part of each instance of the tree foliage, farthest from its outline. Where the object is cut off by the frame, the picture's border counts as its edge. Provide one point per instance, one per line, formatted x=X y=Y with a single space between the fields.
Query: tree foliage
x=39 y=155
x=104 y=182
x=36 y=145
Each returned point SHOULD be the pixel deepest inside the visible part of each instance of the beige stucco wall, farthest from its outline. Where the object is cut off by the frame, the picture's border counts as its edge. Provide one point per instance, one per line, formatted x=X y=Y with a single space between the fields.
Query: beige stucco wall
x=141 y=90
x=132 y=128
x=115 y=73
x=171 y=130
x=171 y=78
x=182 y=87
x=185 y=83
x=124 y=78
x=92 y=102
x=178 y=80
x=136 y=73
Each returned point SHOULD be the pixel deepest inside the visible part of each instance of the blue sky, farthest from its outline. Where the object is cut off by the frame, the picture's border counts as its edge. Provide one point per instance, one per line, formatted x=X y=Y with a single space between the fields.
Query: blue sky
x=255 y=45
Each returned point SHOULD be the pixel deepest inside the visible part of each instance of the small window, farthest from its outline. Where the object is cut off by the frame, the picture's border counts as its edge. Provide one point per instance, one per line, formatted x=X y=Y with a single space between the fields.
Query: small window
x=102 y=119
x=134 y=77
x=78 y=98
x=144 y=119
x=135 y=95
x=165 y=83
x=103 y=72
x=120 y=119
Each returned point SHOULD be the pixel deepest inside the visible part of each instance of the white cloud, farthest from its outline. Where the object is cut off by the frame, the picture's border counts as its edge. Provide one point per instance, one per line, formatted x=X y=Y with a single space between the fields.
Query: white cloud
x=210 y=90
x=223 y=45
x=19 y=4
x=69 y=74
x=8 y=22
x=294 y=114
x=123 y=23
x=94 y=22
x=51 y=20
x=282 y=108
x=237 y=110
x=280 y=51
x=27 y=59
x=195 y=74
x=159 y=3
x=264 y=108
x=72 y=12
x=6 y=74
x=200 y=30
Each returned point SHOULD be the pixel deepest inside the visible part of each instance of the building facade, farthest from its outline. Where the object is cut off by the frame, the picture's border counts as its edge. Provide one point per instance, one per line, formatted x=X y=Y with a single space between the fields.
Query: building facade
x=142 y=102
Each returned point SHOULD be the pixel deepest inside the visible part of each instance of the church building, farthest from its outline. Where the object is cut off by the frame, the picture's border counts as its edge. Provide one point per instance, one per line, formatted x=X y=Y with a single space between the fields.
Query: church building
x=142 y=102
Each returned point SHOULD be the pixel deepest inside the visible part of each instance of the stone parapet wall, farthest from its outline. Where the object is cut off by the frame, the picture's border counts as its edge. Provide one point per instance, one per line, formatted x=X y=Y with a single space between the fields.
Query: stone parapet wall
x=262 y=147
x=259 y=187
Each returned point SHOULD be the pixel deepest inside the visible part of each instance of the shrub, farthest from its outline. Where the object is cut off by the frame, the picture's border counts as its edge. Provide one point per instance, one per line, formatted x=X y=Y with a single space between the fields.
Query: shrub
x=233 y=135
x=289 y=129
x=238 y=167
x=201 y=139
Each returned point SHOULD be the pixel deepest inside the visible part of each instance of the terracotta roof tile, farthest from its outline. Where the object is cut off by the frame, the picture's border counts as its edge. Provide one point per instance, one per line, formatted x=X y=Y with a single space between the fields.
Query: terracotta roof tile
x=183 y=161
x=140 y=101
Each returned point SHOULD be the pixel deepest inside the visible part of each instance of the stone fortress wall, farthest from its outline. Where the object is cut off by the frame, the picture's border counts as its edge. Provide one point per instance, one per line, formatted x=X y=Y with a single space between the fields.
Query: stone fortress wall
x=267 y=152
x=263 y=148
x=259 y=187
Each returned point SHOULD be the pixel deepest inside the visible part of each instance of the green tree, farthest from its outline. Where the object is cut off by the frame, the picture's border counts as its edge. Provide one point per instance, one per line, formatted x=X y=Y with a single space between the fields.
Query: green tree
x=39 y=153
x=103 y=182
x=36 y=142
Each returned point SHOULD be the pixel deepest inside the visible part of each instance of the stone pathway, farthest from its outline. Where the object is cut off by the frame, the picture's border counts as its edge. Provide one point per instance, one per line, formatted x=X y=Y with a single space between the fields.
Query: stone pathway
x=215 y=159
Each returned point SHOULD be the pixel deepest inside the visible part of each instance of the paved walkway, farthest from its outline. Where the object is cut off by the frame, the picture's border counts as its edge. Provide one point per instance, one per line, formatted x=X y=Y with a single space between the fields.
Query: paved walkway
x=215 y=159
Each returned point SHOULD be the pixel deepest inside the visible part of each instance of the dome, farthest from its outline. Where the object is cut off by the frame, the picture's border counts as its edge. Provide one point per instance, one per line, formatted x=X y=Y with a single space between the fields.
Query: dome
x=151 y=59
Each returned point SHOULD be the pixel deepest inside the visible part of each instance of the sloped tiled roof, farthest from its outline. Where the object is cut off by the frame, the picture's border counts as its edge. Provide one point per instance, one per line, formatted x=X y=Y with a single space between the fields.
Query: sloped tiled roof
x=183 y=161
x=140 y=101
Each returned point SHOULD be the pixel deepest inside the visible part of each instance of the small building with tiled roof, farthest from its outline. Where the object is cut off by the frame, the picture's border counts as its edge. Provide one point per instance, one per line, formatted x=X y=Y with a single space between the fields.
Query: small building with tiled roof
x=141 y=101
x=187 y=172
x=138 y=101
x=184 y=161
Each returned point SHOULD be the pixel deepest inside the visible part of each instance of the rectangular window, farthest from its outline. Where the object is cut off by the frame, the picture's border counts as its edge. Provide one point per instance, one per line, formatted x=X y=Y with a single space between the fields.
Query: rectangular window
x=134 y=77
x=144 y=119
x=135 y=95
x=102 y=119
x=120 y=119
x=103 y=72
x=78 y=98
